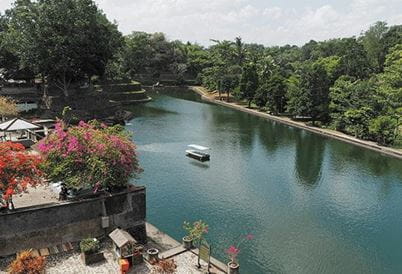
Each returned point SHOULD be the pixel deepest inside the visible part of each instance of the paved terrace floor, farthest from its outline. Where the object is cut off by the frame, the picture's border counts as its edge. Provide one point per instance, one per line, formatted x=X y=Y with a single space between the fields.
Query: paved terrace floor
x=70 y=262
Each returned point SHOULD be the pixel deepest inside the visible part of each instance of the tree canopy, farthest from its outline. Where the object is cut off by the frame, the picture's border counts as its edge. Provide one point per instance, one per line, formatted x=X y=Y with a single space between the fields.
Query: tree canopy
x=65 y=41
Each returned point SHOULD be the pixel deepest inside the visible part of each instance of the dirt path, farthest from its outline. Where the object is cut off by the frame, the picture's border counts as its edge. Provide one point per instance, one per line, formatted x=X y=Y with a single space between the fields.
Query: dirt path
x=211 y=97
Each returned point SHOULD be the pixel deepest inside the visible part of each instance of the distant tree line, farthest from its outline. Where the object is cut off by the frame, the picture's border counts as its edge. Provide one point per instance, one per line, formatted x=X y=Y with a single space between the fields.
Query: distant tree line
x=353 y=85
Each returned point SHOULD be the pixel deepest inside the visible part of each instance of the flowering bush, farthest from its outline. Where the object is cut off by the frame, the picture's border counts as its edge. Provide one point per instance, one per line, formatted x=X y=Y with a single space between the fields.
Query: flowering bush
x=234 y=250
x=27 y=263
x=196 y=230
x=18 y=169
x=89 y=154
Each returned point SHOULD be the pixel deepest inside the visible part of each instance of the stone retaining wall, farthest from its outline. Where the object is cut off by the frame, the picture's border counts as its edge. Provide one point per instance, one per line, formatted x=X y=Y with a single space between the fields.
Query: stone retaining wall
x=53 y=224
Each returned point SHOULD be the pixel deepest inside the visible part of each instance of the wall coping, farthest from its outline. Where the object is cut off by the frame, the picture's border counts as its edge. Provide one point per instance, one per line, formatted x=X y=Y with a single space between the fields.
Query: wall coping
x=130 y=189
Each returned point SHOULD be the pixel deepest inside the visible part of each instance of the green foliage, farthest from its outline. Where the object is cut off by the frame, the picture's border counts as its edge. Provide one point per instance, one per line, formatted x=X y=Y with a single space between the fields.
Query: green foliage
x=63 y=46
x=195 y=230
x=384 y=129
x=271 y=93
x=309 y=94
x=89 y=245
x=372 y=42
x=248 y=82
x=357 y=121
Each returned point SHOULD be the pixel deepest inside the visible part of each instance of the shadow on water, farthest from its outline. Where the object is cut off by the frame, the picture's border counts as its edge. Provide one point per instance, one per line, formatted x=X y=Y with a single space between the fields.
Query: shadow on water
x=364 y=159
x=274 y=136
x=236 y=125
x=204 y=165
x=309 y=156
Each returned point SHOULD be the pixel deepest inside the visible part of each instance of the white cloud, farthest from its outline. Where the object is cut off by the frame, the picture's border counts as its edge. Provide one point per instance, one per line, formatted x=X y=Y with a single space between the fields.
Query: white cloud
x=253 y=20
x=274 y=13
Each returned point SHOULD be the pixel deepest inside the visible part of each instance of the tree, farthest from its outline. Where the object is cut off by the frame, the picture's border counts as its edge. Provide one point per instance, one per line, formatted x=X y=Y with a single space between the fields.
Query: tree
x=88 y=155
x=248 y=82
x=64 y=47
x=309 y=94
x=354 y=59
x=389 y=40
x=8 y=108
x=372 y=42
x=272 y=93
x=390 y=82
x=18 y=169
x=357 y=122
x=384 y=129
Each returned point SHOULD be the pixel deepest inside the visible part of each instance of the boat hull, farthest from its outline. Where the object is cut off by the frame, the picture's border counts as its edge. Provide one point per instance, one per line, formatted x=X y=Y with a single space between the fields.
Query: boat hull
x=202 y=157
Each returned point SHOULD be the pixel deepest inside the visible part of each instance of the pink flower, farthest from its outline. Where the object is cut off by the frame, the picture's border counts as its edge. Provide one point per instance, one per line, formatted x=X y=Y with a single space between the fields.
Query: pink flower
x=233 y=251
x=249 y=237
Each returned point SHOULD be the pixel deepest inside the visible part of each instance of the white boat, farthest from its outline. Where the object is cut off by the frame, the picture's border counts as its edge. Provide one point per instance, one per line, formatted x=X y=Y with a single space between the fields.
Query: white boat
x=198 y=152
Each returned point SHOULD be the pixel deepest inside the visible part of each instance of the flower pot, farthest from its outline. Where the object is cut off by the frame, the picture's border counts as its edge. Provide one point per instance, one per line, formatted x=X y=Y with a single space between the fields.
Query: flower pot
x=92 y=258
x=153 y=254
x=233 y=268
x=187 y=243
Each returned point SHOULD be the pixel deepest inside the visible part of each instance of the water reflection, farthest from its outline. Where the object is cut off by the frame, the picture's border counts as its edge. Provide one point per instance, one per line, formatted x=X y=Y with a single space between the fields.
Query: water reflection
x=309 y=157
x=203 y=165
x=345 y=157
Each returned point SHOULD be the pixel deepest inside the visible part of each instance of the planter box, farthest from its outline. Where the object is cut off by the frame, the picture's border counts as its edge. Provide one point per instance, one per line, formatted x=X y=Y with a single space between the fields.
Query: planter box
x=92 y=258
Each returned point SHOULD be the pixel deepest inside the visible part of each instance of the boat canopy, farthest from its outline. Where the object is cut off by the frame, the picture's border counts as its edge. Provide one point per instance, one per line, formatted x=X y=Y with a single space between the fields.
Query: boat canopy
x=198 y=147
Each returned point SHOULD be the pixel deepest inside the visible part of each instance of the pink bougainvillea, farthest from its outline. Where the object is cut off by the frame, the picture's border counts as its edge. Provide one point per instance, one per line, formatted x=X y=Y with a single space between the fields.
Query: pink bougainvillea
x=234 y=250
x=88 y=154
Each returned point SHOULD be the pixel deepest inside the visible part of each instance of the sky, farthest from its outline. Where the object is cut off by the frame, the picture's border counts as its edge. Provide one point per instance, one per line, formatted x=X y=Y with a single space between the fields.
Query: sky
x=268 y=22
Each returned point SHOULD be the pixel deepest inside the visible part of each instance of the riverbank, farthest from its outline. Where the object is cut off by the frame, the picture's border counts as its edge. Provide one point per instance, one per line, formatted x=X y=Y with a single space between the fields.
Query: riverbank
x=206 y=96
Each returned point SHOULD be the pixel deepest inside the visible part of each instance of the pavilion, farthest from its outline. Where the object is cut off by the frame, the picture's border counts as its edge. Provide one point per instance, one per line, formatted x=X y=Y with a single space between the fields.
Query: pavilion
x=20 y=131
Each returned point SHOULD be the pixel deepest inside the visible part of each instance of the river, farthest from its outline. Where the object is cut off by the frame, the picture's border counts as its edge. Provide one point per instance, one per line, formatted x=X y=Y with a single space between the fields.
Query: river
x=313 y=204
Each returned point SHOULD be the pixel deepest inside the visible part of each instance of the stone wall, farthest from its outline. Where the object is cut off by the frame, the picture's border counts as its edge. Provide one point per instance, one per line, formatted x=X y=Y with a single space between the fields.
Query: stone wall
x=54 y=224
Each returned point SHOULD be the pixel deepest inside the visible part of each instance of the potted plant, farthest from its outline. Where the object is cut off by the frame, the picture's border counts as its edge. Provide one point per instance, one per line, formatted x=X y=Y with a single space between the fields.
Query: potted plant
x=90 y=251
x=26 y=262
x=233 y=251
x=195 y=233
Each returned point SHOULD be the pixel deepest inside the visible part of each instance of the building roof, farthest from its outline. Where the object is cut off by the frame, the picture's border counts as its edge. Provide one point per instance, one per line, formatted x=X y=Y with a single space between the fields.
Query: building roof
x=17 y=124
x=121 y=237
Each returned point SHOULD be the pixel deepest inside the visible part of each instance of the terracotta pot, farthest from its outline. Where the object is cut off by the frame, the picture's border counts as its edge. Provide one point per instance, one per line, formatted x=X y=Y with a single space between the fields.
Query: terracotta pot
x=233 y=268
x=187 y=243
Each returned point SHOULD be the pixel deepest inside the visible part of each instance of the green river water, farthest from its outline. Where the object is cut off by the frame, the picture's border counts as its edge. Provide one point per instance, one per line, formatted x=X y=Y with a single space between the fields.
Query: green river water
x=314 y=204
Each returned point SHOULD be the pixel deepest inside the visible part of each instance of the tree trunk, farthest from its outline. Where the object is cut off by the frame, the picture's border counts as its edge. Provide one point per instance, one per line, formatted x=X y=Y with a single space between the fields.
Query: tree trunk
x=227 y=98
x=249 y=103
x=63 y=84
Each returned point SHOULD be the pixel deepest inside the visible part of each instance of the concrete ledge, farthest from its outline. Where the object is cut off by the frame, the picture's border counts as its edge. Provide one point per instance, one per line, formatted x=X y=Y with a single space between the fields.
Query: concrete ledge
x=171 y=247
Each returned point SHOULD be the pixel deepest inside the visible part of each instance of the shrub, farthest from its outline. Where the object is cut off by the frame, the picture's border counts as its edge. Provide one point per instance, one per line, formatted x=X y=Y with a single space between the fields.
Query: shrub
x=89 y=245
x=89 y=154
x=27 y=263
x=196 y=230
x=18 y=169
